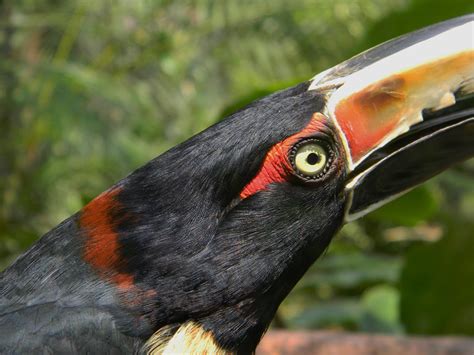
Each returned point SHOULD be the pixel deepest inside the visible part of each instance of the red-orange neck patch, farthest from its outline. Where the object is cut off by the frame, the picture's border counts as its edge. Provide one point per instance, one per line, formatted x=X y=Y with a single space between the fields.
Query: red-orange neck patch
x=276 y=166
x=101 y=248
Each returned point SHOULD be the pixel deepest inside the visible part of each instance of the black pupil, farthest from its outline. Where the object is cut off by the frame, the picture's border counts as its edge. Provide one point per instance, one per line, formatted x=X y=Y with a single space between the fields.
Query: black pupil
x=313 y=158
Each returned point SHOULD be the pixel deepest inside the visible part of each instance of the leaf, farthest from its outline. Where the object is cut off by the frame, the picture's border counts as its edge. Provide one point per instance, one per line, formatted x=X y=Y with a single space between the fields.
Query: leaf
x=381 y=310
x=418 y=14
x=409 y=209
x=352 y=271
x=346 y=312
x=437 y=293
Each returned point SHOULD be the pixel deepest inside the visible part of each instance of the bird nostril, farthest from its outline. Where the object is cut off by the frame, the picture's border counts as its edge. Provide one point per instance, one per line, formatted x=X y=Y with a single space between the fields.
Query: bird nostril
x=313 y=158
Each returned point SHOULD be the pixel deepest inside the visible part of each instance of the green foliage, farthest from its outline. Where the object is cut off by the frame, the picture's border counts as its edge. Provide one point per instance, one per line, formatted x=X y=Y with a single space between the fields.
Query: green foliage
x=381 y=306
x=90 y=90
x=417 y=14
x=417 y=205
x=437 y=296
x=347 y=289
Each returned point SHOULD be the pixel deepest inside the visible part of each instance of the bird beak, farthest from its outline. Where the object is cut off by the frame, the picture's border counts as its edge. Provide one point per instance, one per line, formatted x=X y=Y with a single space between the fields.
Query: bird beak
x=404 y=111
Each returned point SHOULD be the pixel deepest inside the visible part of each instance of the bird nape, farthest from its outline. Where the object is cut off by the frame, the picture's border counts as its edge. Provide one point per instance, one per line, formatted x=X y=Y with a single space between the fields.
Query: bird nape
x=194 y=251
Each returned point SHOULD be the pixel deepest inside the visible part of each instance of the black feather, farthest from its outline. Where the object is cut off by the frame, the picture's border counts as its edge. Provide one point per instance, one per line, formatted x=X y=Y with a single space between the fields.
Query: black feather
x=195 y=250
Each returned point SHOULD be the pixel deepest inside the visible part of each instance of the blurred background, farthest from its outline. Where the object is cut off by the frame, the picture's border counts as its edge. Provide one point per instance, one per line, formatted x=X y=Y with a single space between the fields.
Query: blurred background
x=91 y=90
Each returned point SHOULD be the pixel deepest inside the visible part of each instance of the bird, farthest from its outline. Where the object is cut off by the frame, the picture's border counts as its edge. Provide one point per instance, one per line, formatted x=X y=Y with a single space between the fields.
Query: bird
x=194 y=251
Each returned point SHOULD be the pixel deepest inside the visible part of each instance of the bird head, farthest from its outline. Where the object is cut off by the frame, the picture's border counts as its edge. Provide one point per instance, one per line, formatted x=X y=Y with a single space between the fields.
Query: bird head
x=214 y=233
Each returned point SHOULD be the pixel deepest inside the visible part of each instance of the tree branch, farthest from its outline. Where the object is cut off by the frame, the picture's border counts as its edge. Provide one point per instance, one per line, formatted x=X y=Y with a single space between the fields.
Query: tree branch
x=336 y=343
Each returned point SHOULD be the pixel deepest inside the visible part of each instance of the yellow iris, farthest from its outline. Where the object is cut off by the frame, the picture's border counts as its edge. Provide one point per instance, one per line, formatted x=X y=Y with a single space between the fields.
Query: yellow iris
x=310 y=159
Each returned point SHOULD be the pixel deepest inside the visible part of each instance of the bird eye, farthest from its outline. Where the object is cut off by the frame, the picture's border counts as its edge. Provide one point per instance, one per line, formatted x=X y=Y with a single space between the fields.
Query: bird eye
x=310 y=159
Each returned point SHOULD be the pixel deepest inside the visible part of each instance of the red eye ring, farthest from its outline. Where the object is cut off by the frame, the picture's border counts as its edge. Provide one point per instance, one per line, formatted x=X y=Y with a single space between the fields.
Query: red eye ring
x=278 y=165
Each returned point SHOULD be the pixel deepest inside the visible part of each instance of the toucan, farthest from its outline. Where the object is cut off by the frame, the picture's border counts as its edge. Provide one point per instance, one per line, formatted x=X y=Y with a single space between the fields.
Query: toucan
x=194 y=251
